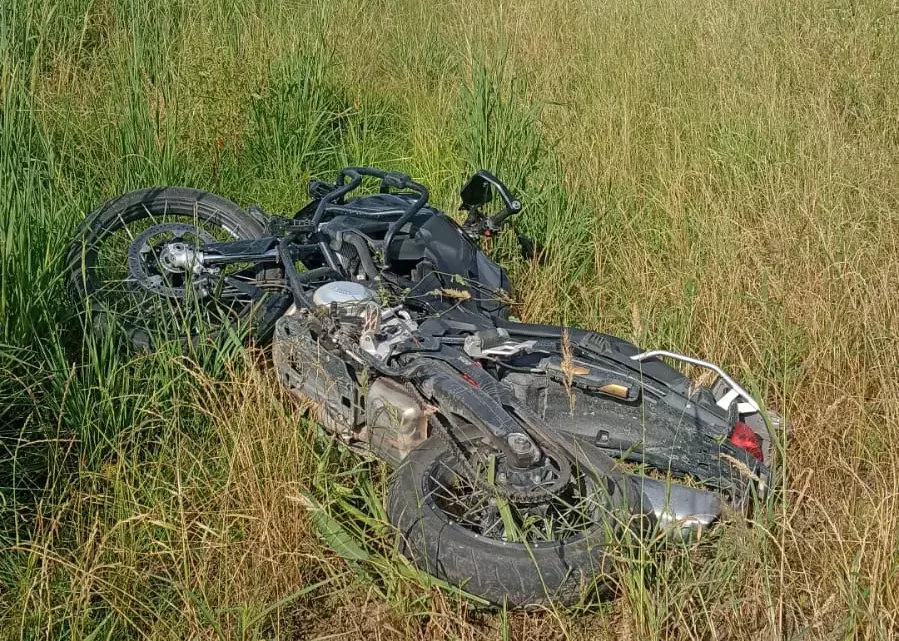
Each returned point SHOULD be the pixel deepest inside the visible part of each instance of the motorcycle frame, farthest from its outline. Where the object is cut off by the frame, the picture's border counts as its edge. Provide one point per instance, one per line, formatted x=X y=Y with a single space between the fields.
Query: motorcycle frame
x=289 y=246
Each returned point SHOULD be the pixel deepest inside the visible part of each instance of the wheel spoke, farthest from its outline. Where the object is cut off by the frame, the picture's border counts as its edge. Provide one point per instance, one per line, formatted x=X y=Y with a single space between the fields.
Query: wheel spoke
x=127 y=279
x=125 y=226
x=150 y=214
x=471 y=504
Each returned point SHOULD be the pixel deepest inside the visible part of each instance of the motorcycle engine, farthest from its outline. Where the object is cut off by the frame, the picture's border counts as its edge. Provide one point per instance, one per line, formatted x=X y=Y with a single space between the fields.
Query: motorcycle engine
x=378 y=329
x=343 y=293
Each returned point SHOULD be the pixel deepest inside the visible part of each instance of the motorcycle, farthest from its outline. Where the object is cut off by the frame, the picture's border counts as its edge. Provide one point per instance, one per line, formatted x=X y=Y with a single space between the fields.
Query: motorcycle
x=521 y=451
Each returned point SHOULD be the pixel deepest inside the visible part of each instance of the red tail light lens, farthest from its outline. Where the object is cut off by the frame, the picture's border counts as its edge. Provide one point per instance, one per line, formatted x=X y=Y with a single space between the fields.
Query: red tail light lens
x=743 y=437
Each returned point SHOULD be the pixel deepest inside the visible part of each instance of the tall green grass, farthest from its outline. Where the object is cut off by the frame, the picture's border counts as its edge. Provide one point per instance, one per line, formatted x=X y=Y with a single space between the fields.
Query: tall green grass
x=712 y=177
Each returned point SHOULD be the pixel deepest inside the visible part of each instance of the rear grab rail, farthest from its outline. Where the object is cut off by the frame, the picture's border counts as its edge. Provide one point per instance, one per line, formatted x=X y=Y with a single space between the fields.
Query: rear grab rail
x=748 y=404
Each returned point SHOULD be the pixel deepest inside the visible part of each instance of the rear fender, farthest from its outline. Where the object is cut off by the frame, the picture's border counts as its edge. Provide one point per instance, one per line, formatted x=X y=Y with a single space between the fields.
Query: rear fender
x=600 y=384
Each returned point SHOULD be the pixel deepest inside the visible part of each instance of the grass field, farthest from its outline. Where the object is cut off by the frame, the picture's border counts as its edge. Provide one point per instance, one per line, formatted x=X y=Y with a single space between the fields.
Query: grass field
x=717 y=177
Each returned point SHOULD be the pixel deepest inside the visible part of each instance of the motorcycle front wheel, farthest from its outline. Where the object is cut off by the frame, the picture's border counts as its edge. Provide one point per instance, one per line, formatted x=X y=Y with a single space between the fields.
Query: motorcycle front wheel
x=134 y=266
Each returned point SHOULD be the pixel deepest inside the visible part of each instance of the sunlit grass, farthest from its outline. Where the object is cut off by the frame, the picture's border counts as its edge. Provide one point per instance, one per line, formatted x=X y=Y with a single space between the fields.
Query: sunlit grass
x=717 y=178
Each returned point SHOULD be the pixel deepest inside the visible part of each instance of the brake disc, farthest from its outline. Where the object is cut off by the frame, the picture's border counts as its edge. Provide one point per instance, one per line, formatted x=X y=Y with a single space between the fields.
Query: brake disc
x=161 y=259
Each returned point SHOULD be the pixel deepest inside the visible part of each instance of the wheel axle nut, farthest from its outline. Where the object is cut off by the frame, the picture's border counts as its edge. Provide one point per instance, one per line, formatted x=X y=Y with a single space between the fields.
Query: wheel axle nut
x=520 y=443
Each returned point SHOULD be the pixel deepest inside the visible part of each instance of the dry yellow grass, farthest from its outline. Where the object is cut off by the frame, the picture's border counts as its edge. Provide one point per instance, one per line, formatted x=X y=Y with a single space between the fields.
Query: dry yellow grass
x=716 y=177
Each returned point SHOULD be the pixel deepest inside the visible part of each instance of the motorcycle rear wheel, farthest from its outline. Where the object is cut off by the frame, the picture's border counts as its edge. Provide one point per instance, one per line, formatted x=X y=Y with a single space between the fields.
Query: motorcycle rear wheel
x=518 y=571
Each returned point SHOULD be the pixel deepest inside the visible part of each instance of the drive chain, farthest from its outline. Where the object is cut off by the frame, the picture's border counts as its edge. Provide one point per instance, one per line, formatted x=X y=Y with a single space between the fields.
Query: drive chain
x=521 y=497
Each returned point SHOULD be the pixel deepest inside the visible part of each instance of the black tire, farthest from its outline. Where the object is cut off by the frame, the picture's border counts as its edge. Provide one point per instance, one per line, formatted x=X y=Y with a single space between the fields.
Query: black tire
x=144 y=207
x=501 y=572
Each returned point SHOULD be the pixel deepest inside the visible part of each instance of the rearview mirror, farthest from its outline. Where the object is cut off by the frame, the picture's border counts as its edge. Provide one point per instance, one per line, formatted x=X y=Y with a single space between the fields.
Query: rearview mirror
x=477 y=192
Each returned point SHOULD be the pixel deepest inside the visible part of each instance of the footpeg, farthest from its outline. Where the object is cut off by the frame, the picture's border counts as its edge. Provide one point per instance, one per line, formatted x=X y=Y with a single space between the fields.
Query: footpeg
x=495 y=343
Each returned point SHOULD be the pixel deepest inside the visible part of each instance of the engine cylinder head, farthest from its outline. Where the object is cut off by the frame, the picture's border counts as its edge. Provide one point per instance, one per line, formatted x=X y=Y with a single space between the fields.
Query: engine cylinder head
x=343 y=293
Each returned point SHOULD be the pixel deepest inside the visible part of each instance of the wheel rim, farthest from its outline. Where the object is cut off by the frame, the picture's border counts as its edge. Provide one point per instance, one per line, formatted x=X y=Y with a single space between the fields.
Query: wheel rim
x=492 y=512
x=151 y=264
x=128 y=285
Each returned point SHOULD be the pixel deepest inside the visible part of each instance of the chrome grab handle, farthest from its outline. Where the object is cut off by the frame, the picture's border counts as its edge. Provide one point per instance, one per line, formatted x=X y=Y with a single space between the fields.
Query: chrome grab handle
x=748 y=405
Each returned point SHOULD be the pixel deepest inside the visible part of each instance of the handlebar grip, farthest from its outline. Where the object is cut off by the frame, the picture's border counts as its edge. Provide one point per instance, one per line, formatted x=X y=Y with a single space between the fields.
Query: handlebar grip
x=511 y=209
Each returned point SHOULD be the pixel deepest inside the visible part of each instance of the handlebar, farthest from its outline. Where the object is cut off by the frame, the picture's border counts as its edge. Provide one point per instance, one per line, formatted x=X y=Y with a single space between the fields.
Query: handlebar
x=511 y=208
x=476 y=193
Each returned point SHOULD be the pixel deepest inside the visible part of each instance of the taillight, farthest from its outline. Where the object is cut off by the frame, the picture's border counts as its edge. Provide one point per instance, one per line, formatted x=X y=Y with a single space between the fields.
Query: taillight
x=743 y=437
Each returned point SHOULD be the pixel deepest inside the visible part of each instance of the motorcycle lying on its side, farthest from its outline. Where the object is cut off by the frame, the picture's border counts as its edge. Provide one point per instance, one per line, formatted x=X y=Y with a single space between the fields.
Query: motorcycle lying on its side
x=520 y=450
